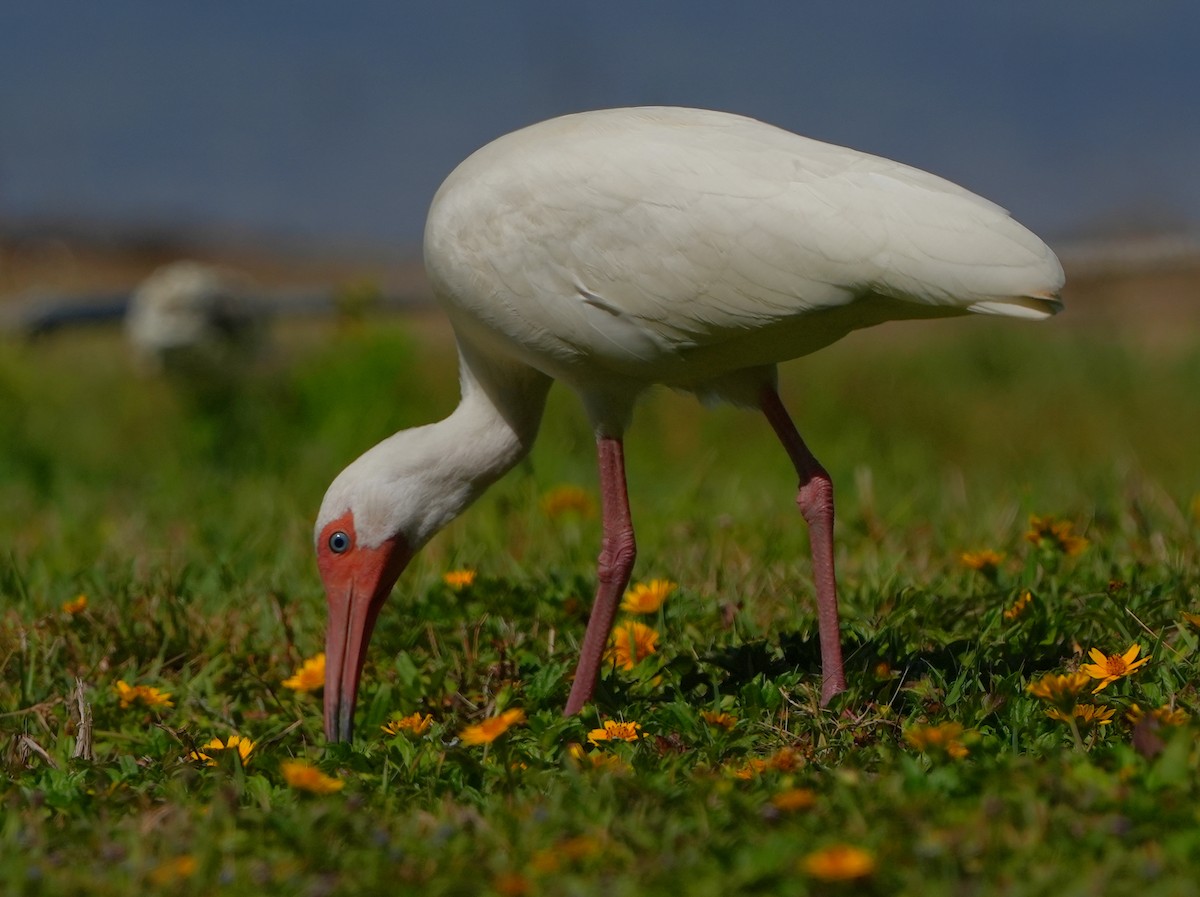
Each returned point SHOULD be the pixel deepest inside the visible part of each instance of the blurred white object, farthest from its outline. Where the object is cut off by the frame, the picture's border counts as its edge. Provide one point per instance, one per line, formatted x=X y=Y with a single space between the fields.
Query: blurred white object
x=192 y=316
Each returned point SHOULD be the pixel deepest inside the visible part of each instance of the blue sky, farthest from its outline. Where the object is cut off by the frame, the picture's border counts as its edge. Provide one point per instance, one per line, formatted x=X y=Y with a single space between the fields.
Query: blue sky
x=334 y=123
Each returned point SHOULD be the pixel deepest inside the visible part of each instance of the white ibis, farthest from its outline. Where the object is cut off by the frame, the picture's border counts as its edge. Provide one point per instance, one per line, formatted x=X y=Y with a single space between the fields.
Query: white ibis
x=617 y=249
x=189 y=316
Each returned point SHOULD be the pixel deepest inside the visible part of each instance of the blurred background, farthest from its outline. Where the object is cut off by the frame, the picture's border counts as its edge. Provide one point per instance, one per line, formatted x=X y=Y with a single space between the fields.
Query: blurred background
x=302 y=142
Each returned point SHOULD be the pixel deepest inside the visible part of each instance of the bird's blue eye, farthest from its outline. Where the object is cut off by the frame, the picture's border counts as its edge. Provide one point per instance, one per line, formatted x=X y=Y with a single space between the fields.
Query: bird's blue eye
x=339 y=542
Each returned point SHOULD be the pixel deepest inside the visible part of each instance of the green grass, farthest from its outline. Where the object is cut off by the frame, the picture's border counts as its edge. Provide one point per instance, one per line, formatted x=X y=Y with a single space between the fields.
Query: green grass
x=184 y=514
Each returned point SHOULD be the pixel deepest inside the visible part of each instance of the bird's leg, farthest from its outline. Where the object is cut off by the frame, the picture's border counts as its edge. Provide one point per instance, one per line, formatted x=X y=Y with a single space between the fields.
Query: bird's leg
x=816 y=504
x=617 y=553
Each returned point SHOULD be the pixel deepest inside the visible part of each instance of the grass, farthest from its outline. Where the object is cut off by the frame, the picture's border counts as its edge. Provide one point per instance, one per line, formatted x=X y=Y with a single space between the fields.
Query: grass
x=183 y=513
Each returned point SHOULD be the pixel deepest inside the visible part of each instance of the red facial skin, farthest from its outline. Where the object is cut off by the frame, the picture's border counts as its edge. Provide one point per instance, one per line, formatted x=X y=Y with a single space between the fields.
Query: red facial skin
x=357 y=583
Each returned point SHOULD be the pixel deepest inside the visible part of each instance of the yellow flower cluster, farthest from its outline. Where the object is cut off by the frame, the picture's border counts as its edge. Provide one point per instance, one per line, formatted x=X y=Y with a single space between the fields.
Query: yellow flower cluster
x=310 y=676
x=236 y=743
x=719 y=719
x=562 y=500
x=459 y=579
x=145 y=695
x=1166 y=716
x=794 y=799
x=1060 y=690
x=1108 y=668
x=615 y=731
x=630 y=644
x=571 y=852
x=568 y=850
x=944 y=738
x=839 y=862
x=303 y=776
x=985 y=561
x=1018 y=606
x=76 y=605
x=173 y=870
x=1055 y=535
x=414 y=724
x=784 y=760
x=1084 y=715
x=492 y=728
x=647 y=597
x=599 y=760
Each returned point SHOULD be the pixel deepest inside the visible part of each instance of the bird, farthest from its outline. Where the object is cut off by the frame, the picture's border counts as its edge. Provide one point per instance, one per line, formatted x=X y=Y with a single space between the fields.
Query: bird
x=619 y=249
x=196 y=319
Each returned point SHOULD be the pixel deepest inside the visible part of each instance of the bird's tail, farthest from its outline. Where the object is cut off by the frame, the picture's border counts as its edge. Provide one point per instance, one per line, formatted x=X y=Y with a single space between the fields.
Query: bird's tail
x=1033 y=307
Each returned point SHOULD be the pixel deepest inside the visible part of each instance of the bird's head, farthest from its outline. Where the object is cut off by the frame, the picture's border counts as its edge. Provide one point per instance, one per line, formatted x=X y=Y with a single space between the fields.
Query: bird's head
x=375 y=516
x=368 y=529
x=358 y=577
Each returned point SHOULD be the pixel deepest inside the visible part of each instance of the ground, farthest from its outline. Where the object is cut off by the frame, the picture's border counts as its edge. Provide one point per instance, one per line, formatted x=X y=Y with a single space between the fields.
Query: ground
x=1010 y=497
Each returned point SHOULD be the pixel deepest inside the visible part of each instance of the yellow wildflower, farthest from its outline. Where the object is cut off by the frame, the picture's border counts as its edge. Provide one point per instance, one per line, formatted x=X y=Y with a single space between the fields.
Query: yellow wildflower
x=304 y=776
x=414 y=724
x=173 y=870
x=784 y=760
x=459 y=579
x=630 y=644
x=1056 y=535
x=563 y=500
x=719 y=719
x=615 y=731
x=1111 y=667
x=1060 y=690
x=752 y=767
x=794 y=799
x=985 y=561
x=839 y=862
x=1018 y=606
x=1167 y=716
x=647 y=597
x=76 y=605
x=511 y=884
x=1194 y=619
x=145 y=695
x=1085 y=715
x=568 y=850
x=492 y=728
x=242 y=746
x=943 y=738
x=596 y=759
x=310 y=676
x=126 y=692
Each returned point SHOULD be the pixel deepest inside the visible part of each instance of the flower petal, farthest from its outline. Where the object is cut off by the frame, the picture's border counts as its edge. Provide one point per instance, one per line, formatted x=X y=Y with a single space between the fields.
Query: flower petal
x=1132 y=653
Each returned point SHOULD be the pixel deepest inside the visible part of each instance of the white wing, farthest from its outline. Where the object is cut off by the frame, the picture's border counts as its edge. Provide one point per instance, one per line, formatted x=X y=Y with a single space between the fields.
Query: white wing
x=643 y=236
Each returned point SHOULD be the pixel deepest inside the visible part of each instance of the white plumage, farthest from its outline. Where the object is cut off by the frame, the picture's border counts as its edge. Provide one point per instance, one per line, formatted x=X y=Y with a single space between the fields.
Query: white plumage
x=193 y=317
x=617 y=249
x=677 y=246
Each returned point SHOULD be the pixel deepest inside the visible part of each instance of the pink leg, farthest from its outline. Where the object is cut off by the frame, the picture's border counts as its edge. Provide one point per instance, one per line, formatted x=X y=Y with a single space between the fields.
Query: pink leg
x=617 y=553
x=816 y=504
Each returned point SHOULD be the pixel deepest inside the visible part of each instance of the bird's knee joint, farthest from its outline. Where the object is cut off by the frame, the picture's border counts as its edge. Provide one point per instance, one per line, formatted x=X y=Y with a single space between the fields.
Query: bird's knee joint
x=617 y=556
x=816 y=499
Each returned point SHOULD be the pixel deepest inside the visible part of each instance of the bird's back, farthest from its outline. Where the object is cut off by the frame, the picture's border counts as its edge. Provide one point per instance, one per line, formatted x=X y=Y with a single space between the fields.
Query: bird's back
x=677 y=244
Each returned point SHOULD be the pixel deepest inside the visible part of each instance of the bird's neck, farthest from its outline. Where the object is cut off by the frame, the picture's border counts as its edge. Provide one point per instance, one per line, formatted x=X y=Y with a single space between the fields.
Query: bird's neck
x=445 y=466
x=418 y=480
x=497 y=419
